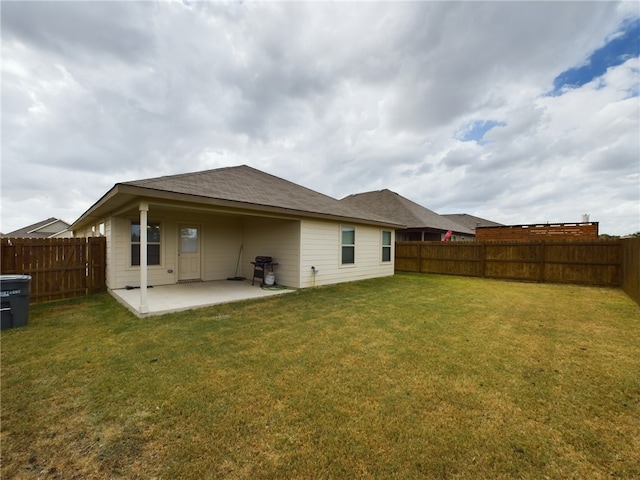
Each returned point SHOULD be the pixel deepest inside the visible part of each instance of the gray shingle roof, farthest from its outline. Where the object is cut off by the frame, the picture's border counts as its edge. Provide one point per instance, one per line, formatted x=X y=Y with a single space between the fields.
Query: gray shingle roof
x=470 y=221
x=402 y=210
x=39 y=229
x=247 y=185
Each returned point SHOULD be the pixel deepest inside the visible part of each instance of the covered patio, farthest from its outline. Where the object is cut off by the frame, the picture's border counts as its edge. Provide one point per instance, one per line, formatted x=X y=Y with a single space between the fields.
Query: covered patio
x=186 y=296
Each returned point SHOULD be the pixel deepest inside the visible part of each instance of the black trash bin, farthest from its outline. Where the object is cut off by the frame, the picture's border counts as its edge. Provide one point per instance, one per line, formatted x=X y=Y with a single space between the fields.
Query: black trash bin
x=14 y=300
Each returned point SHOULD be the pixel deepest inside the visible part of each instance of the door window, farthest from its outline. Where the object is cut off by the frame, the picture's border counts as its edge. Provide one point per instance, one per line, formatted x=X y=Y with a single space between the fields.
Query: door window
x=188 y=240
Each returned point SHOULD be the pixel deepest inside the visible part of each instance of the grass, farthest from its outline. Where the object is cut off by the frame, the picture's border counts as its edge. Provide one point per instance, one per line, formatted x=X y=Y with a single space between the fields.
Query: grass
x=413 y=376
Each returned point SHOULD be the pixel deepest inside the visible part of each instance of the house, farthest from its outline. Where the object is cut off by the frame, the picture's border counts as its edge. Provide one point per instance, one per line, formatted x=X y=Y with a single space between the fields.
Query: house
x=538 y=232
x=421 y=223
x=469 y=221
x=49 y=228
x=211 y=225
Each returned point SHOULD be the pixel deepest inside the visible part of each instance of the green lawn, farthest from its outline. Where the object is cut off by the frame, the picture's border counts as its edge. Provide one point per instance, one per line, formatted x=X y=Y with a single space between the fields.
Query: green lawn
x=413 y=376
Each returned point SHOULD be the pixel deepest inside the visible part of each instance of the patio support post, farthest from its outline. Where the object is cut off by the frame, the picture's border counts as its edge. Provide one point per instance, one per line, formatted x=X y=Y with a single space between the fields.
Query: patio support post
x=144 y=304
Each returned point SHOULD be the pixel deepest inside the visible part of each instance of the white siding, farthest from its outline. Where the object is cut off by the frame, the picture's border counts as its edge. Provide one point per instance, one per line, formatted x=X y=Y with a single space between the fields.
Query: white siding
x=276 y=238
x=221 y=239
x=129 y=275
x=321 y=248
x=296 y=245
x=110 y=270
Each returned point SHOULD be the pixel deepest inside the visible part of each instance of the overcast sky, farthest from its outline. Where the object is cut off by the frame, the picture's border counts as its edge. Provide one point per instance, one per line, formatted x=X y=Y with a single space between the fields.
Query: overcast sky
x=518 y=112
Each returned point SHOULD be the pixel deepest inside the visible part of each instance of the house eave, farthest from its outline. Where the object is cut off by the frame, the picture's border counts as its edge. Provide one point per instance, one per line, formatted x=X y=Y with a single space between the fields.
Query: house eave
x=101 y=209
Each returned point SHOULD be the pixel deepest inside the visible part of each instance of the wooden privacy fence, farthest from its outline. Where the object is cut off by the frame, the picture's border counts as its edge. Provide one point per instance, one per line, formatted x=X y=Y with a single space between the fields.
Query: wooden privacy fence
x=59 y=267
x=631 y=267
x=583 y=262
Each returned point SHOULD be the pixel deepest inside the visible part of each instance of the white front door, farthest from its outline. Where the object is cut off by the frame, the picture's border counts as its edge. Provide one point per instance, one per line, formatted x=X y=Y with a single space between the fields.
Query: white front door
x=189 y=253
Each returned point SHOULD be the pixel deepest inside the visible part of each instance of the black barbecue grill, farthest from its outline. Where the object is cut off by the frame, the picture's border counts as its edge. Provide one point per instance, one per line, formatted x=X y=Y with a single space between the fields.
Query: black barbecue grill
x=261 y=266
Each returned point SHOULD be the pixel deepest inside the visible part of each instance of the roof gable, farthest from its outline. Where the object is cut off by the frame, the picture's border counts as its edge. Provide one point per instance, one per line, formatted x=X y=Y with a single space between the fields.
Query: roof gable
x=43 y=229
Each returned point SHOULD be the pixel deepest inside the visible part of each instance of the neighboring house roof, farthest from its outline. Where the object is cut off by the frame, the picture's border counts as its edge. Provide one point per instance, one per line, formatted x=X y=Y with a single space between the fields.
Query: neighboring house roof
x=49 y=228
x=392 y=205
x=238 y=187
x=470 y=222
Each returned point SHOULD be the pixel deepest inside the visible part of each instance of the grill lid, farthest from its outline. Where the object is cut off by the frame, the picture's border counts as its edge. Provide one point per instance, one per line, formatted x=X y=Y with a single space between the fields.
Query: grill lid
x=263 y=260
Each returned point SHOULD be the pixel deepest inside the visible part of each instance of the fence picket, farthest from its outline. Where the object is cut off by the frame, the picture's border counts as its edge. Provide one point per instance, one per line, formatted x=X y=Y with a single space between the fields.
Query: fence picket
x=585 y=262
x=59 y=267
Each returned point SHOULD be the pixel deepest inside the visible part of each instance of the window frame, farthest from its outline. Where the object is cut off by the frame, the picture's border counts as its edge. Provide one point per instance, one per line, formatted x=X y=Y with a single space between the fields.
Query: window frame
x=150 y=244
x=351 y=246
x=385 y=247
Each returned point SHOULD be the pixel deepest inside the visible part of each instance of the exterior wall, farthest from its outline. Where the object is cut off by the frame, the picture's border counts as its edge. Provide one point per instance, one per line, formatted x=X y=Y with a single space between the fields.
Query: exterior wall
x=321 y=248
x=296 y=245
x=220 y=240
x=56 y=227
x=110 y=271
x=123 y=273
x=276 y=238
x=220 y=246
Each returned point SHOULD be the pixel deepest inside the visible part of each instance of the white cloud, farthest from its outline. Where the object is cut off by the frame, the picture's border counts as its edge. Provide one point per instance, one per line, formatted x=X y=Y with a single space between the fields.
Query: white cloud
x=339 y=97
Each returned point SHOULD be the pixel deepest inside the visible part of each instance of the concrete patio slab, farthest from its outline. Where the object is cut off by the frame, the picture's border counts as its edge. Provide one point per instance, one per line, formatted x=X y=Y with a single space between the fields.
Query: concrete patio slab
x=186 y=296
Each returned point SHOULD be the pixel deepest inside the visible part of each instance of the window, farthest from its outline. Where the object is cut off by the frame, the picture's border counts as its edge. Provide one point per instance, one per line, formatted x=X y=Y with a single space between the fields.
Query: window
x=153 y=243
x=348 y=245
x=386 y=246
x=188 y=240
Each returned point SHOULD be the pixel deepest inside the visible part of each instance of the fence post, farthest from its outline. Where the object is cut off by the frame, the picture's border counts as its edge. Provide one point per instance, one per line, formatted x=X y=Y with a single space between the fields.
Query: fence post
x=483 y=257
x=420 y=258
x=9 y=255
